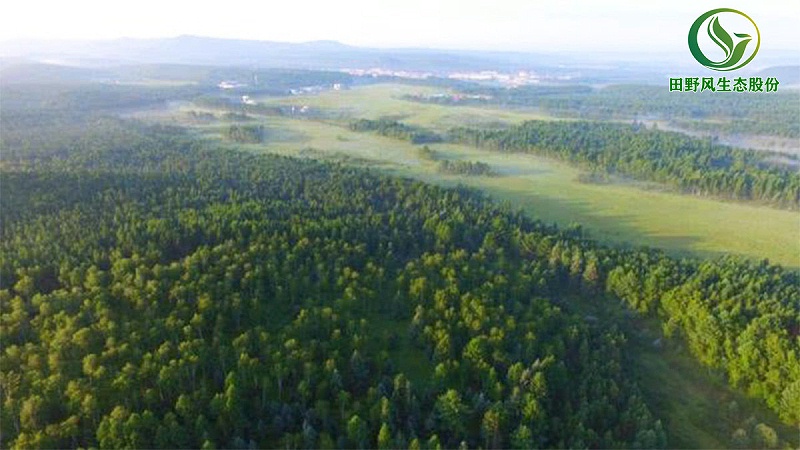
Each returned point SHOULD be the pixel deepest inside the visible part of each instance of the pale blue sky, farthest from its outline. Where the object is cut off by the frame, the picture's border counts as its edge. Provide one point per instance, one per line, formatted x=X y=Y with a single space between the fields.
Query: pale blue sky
x=557 y=25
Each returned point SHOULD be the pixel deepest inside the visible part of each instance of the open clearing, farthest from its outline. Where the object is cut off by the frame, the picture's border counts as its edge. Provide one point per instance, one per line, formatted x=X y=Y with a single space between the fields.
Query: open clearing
x=619 y=213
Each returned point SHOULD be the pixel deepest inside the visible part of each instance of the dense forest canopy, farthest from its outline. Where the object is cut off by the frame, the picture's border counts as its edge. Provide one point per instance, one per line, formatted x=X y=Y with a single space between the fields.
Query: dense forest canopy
x=214 y=285
x=158 y=291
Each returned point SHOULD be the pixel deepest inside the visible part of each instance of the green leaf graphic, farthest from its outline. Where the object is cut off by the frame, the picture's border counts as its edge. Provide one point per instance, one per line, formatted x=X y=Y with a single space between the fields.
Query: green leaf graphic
x=733 y=45
x=721 y=37
x=739 y=51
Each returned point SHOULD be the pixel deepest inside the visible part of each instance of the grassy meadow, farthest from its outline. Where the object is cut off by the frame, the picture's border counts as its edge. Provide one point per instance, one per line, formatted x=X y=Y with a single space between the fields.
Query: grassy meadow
x=620 y=212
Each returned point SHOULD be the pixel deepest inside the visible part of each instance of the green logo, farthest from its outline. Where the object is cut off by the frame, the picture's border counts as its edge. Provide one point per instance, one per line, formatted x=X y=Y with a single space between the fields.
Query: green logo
x=735 y=51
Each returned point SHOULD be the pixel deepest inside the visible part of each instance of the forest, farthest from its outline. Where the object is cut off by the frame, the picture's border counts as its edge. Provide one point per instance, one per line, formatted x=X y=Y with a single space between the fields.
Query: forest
x=690 y=165
x=160 y=291
x=246 y=134
x=395 y=129
x=773 y=115
x=214 y=285
x=471 y=168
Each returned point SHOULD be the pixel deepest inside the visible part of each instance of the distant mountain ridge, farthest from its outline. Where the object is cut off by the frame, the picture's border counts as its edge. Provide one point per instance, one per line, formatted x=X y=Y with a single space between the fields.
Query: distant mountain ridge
x=787 y=75
x=198 y=50
x=597 y=68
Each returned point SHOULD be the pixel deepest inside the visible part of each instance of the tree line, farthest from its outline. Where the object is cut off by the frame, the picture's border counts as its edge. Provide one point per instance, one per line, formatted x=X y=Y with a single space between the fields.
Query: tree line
x=395 y=129
x=247 y=134
x=691 y=165
x=772 y=115
x=469 y=168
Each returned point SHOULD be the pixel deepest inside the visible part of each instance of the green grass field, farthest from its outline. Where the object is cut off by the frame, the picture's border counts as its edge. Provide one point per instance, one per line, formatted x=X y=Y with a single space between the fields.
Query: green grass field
x=618 y=213
x=384 y=100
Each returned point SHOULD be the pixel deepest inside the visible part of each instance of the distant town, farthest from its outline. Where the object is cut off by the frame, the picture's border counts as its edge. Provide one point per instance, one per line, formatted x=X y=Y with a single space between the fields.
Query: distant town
x=520 y=78
x=492 y=77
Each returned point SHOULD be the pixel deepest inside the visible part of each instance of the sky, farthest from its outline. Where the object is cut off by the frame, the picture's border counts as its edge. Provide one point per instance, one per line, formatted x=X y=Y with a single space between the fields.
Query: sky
x=518 y=25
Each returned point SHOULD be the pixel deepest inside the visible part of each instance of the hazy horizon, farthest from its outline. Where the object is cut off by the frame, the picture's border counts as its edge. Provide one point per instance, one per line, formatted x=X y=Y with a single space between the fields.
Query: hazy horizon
x=612 y=26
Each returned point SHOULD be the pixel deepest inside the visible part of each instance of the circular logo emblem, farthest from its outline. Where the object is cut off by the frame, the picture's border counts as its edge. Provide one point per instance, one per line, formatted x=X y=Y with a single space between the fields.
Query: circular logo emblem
x=724 y=48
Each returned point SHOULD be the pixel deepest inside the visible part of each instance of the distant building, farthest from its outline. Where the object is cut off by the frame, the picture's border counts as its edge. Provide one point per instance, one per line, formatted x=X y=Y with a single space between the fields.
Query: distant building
x=308 y=90
x=230 y=85
x=299 y=110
